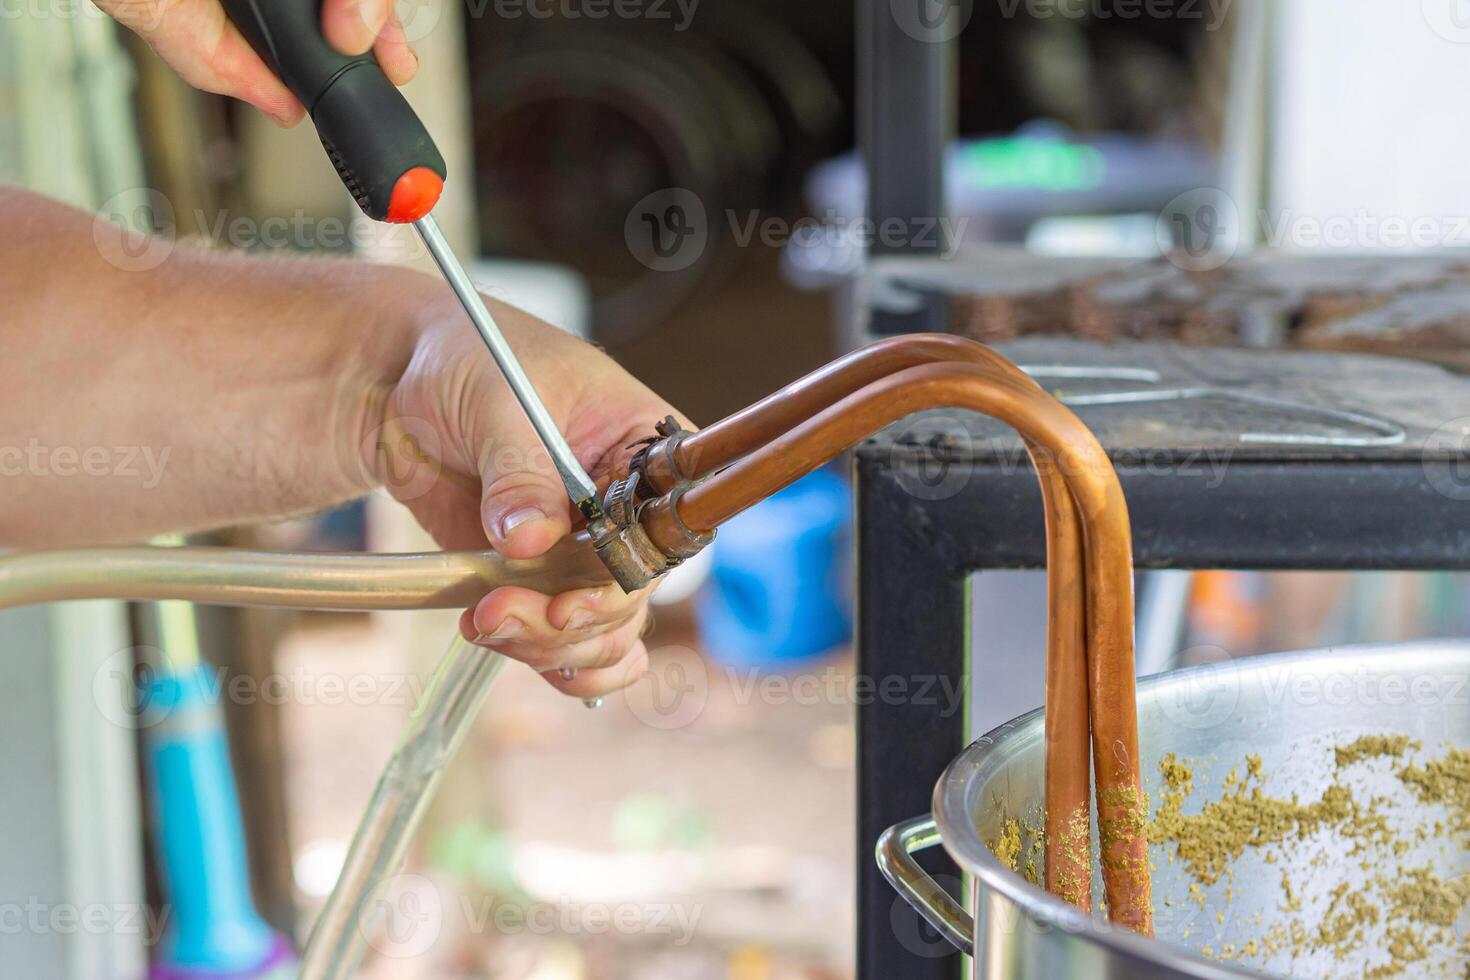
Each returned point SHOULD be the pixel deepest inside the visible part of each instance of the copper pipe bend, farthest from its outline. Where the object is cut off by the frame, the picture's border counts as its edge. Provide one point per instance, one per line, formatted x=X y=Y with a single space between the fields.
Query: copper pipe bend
x=674 y=461
x=1066 y=453
x=710 y=449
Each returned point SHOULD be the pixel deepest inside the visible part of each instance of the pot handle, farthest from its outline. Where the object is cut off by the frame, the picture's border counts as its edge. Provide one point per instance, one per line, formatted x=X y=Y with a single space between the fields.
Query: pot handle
x=895 y=849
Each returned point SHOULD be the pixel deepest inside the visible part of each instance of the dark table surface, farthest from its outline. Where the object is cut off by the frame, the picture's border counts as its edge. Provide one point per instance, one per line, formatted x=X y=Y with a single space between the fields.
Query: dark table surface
x=1429 y=404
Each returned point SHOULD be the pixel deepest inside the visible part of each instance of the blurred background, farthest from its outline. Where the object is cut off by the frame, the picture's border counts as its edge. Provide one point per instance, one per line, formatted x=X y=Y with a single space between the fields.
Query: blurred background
x=700 y=826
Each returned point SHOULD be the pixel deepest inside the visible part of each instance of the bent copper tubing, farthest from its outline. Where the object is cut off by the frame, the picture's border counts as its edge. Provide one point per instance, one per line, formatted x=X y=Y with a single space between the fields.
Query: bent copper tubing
x=1060 y=440
x=1068 y=735
x=718 y=445
x=228 y=577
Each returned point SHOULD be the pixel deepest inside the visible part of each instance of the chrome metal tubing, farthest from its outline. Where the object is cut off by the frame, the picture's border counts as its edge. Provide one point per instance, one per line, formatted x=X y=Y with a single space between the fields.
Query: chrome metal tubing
x=393 y=815
x=941 y=910
x=229 y=577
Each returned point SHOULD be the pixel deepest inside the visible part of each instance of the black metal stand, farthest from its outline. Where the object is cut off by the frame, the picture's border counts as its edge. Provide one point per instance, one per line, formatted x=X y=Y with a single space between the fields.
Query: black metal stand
x=906 y=118
x=947 y=494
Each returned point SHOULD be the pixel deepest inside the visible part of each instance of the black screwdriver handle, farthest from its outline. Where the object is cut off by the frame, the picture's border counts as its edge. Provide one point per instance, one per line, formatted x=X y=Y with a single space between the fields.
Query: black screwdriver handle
x=376 y=141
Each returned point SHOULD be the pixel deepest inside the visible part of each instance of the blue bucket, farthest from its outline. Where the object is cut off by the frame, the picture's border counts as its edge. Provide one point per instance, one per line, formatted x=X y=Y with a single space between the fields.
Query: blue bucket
x=778 y=591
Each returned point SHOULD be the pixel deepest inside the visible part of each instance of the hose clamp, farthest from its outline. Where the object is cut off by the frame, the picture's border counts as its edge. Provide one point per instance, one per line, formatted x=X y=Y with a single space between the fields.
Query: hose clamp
x=629 y=555
x=619 y=538
x=694 y=542
x=621 y=501
x=669 y=448
x=670 y=434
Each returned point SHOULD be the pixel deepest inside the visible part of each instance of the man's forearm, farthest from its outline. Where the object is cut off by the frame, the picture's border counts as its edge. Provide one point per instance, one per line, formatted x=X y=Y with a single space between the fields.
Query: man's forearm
x=207 y=389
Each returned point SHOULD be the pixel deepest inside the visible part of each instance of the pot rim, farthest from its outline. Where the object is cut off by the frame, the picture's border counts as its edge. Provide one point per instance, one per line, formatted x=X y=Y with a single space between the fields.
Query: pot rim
x=961 y=837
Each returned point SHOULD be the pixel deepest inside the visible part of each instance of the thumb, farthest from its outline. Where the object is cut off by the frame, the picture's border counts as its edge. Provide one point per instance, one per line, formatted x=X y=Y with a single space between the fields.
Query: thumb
x=525 y=513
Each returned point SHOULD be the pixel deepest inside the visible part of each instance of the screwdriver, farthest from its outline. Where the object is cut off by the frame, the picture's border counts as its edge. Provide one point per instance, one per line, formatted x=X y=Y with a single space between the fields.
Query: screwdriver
x=389 y=163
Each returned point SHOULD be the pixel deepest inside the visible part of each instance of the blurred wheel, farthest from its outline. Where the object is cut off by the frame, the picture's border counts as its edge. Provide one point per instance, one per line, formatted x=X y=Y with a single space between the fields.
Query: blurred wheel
x=575 y=129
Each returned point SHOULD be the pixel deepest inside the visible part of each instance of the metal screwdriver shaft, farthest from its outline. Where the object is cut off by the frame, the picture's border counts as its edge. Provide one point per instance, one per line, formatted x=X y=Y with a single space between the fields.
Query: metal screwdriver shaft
x=579 y=485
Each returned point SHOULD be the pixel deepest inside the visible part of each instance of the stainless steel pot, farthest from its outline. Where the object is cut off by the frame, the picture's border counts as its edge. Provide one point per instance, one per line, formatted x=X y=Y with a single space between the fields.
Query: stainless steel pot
x=1290 y=709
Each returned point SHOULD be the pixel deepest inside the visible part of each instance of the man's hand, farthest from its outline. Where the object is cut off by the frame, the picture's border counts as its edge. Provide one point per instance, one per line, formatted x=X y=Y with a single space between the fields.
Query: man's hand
x=451 y=443
x=447 y=438
x=262 y=387
x=197 y=39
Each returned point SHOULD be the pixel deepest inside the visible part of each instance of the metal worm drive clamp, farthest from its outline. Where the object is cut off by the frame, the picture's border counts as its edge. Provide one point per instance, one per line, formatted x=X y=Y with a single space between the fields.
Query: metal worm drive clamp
x=618 y=536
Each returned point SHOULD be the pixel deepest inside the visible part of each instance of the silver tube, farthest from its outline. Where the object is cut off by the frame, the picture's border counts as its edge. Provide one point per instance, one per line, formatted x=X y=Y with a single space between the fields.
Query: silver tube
x=397 y=807
x=333 y=581
x=229 y=577
x=579 y=485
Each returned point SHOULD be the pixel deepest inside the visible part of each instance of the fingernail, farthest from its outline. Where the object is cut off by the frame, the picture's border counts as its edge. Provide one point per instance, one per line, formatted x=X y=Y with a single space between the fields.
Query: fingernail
x=567 y=673
x=508 y=628
x=516 y=518
x=579 y=620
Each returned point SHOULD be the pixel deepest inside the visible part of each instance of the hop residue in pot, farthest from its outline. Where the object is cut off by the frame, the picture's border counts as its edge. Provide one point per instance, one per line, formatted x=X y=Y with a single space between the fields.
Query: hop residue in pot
x=1368 y=877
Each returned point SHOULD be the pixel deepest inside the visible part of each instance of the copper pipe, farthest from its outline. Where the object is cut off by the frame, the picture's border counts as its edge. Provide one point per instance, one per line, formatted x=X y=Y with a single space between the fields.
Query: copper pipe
x=747 y=430
x=1059 y=439
x=224 y=576
x=1068 y=736
x=1067 y=774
